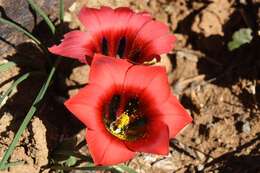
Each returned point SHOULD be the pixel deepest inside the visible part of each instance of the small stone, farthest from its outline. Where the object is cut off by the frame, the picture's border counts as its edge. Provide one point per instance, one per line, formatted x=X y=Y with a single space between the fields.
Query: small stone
x=200 y=155
x=166 y=62
x=209 y=159
x=149 y=158
x=246 y=127
x=243 y=2
x=166 y=165
x=197 y=141
x=200 y=167
x=5 y=121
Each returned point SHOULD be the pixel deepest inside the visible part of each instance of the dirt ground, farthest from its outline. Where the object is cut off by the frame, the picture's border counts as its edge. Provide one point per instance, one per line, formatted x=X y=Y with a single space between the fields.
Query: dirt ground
x=220 y=89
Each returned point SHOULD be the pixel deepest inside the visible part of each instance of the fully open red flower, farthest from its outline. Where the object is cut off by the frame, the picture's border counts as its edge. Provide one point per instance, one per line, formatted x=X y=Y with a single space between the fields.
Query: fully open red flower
x=119 y=32
x=127 y=108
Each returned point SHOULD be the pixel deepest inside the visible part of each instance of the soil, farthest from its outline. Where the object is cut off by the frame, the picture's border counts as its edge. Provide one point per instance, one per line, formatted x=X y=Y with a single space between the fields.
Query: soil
x=220 y=89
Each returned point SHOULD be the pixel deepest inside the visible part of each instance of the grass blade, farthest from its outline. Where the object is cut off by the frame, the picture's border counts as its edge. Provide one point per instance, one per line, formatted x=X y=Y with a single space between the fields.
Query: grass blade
x=43 y=15
x=6 y=66
x=25 y=32
x=124 y=168
x=61 y=11
x=29 y=115
x=19 y=28
x=17 y=82
x=120 y=168
x=90 y=168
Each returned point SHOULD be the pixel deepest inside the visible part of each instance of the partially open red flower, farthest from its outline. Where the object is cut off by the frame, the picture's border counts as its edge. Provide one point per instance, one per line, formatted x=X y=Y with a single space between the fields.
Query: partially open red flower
x=127 y=108
x=119 y=32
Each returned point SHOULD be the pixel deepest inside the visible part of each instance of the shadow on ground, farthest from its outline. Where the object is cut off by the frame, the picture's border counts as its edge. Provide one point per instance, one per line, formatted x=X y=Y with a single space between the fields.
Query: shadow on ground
x=236 y=162
x=226 y=68
x=29 y=58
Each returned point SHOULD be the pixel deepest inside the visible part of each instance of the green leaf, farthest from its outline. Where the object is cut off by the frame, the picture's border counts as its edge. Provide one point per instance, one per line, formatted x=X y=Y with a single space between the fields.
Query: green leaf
x=6 y=66
x=43 y=15
x=71 y=161
x=25 y=32
x=29 y=115
x=124 y=168
x=13 y=86
x=240 y=37
x=19 y=28
x=90 y=168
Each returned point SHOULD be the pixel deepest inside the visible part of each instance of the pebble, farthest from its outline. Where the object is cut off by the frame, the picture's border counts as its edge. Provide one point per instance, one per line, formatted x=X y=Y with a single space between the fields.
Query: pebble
x=200 y=155
x=200 y=167
x=246 y=127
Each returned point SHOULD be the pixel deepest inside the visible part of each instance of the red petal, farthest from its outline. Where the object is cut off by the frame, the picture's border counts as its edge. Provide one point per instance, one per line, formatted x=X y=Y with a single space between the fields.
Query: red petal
x=106 y=149
x=163 y=44
x=152 y=30
x=76 y=44
x=118 y=29
x=123 y=15
x=86 y=105
x=107 y=71
x=148 y=32
x=149 y=80
x=145 y=13
x=106 y=17
x=158 y=89
x=134 y=25
x=97 y=19
x=89 y=18
x=174 y=115
x=137 y=21
x=156 y=140
x=138 y=29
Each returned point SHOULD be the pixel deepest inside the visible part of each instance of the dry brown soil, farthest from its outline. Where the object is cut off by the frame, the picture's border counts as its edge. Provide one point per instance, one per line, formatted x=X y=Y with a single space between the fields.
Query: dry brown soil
x=220 y=89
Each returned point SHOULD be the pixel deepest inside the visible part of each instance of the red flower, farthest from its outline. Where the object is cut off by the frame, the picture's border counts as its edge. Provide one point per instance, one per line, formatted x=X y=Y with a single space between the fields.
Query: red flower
x=119 y=32
x=127 y=108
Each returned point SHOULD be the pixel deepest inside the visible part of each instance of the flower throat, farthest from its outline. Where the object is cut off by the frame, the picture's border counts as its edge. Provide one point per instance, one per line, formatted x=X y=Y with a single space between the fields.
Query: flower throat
x=126 y=124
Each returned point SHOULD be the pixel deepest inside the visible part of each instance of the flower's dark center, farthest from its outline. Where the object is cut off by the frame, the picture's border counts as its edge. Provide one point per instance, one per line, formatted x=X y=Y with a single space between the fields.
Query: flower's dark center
x=104 y=44
x=121 y=47
x=125 y=121
x=113 y=107
x=134 y=55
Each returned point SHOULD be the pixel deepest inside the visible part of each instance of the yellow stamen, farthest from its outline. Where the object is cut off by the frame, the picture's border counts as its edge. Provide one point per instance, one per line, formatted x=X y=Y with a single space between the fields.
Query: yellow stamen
x=120 y=127
x=123 y=121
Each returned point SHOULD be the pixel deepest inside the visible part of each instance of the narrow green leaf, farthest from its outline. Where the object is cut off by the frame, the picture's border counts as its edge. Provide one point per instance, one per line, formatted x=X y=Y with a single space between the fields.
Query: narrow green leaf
x=124 y=168
x=90 y=168
x=61 y=11
x=27 y=33
x=29 y=115
x=43 y=15
x=6 y=66
x=71 y=161
x=14 y=85
x=240 y=37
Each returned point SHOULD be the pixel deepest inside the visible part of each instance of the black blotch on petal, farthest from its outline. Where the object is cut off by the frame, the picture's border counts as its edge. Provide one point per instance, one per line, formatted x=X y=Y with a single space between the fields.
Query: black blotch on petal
x=142 y=121
x=132 y=106
x=121 y=47
x=104 y=46
x=135 y=54
x=113 y=107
